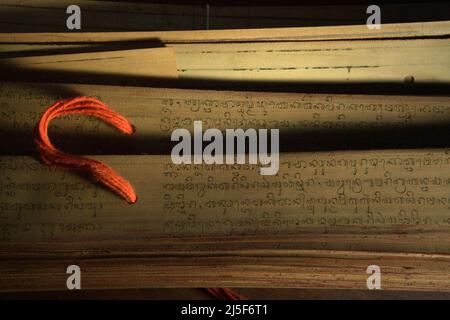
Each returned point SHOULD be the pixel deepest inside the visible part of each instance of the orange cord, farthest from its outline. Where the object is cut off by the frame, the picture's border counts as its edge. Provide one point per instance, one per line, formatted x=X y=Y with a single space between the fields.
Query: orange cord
x=99 y=172
x=225 y=294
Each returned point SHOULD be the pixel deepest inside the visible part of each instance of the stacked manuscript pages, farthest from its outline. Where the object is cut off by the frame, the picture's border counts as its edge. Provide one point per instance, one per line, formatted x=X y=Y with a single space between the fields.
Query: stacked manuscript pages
x=333 y=209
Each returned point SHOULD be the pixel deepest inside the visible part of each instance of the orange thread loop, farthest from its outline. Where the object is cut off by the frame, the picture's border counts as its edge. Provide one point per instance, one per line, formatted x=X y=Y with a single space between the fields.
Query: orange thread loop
x=99 y=172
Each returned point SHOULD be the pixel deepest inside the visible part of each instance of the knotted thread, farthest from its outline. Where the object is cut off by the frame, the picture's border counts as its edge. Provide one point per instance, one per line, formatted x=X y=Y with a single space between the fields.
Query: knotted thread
x=98 y=171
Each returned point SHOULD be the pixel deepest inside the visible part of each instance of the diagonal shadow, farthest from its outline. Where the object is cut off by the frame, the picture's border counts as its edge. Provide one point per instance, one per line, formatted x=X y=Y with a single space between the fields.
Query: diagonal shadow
x=425 y=136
